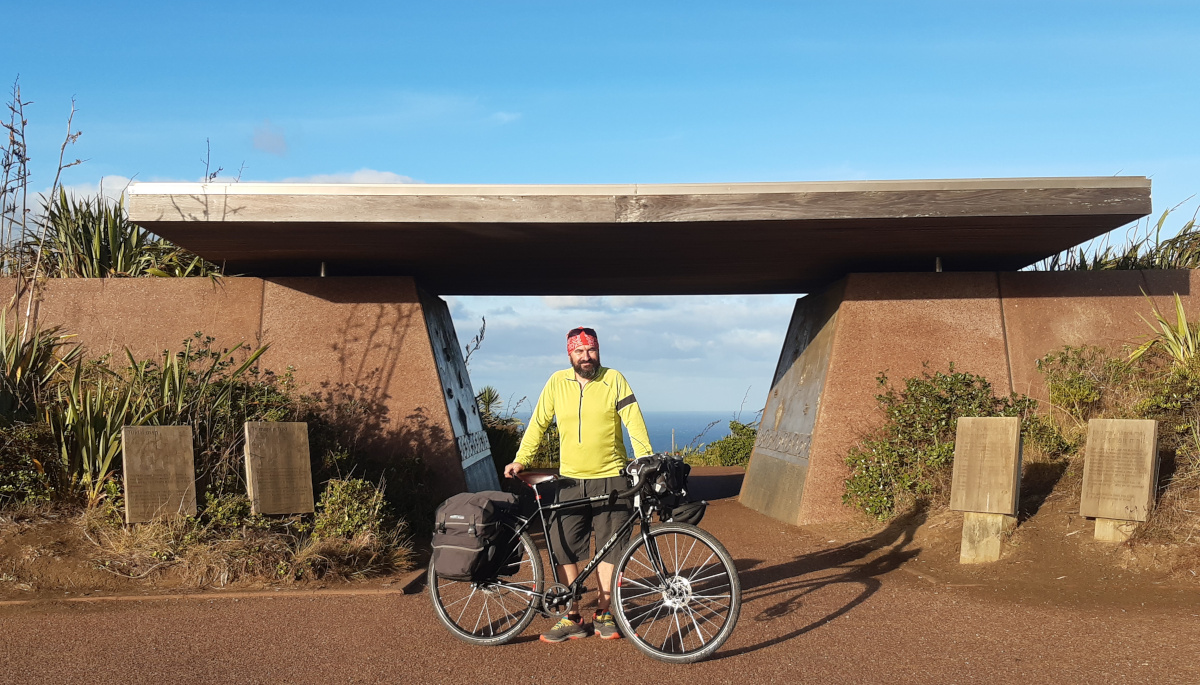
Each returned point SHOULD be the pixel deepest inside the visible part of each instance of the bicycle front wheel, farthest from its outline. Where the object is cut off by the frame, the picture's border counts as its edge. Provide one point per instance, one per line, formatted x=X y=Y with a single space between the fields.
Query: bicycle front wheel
x=683 y=607
x=495 y=611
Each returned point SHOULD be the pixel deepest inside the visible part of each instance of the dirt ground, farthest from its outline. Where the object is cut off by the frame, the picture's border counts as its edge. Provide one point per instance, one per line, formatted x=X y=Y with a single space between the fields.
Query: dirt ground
x=842 y=604
x=1050 y=558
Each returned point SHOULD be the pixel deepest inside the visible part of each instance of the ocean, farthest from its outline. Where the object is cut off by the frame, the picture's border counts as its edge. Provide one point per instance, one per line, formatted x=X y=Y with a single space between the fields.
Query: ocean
x=689 y=427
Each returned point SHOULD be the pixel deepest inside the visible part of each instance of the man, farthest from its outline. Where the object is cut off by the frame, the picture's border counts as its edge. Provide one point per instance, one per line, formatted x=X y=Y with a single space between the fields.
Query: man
x=590 y=403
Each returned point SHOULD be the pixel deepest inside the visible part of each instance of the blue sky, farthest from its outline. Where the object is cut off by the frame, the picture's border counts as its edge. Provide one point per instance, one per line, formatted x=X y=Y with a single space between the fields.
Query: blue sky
x=512 y=92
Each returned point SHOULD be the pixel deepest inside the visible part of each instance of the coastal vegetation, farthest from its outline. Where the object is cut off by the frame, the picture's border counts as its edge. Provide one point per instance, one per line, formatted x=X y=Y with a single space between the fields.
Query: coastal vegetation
x=61 y=414
x=905 y=464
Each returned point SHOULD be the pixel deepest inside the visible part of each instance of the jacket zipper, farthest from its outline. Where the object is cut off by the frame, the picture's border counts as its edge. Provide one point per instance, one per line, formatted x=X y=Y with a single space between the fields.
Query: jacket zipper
x=579 y=423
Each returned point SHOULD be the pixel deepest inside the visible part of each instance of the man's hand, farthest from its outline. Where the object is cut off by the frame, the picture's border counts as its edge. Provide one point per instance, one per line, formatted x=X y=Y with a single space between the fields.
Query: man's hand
x=511 y=470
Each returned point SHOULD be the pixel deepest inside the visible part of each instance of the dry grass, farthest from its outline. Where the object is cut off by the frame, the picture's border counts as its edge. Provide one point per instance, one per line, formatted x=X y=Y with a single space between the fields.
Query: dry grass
x=202 y=553
x=1091 y=383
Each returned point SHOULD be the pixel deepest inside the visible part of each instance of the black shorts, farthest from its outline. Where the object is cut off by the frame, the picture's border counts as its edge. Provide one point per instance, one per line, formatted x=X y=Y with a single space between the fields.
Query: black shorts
x=571 y=533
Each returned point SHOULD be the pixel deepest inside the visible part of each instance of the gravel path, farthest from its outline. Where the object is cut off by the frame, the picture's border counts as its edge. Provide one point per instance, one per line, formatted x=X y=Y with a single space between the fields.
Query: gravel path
x=815 y=610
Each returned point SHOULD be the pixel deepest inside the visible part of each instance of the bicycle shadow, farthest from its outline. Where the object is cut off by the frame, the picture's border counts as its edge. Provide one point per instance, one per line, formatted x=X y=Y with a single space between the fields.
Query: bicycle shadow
x=856 y=563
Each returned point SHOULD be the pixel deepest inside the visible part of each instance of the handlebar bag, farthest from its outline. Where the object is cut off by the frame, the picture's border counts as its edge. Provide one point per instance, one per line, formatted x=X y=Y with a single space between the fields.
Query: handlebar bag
x=468 y=532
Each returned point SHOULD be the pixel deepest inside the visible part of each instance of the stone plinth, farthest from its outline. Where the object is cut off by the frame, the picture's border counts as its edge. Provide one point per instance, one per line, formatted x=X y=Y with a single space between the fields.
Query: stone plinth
x=278 y=471
x=159 y=474
x=1120 y=471
x=983 y=535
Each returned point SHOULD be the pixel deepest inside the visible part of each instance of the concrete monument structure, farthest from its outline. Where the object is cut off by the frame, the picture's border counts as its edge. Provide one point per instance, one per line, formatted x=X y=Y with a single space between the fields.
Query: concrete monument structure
x=159 y=472
x=278 y=468
x=344 y=282
x=986 y=483
x=1120 y=474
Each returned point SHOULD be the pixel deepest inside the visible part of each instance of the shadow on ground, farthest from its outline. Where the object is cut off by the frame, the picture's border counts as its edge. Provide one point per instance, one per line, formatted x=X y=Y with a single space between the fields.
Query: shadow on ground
x=859 y=563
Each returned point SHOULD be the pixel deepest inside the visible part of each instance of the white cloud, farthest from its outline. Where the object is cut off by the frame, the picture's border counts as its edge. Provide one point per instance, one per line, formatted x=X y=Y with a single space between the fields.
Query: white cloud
x=270 y=140
x=680 y=353
x=112 y=187
x=360 y=176
x=505 y=117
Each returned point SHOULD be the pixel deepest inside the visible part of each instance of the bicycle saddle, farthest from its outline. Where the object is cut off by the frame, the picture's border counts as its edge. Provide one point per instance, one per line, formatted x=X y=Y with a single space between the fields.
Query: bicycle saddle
x=532 y=479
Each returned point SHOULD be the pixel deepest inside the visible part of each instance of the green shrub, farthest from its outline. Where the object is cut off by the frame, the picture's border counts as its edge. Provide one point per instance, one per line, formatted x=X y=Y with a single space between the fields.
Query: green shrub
x=349 y=509
x=28 y=456
x=732 y=450
x=909 y=458
x=1077 y=378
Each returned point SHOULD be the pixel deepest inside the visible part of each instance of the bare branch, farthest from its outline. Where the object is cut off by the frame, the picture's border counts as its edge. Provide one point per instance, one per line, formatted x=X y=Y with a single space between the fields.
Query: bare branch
x=473 y=346
x=55 y=189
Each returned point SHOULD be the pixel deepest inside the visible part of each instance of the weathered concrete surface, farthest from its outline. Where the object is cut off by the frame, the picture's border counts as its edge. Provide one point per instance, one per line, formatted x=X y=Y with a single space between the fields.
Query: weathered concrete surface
x=993 y=324
x=474 y=449
x=1112 y=530
x=791 y=237
x=1120 y=469
x=158 y=472
x=987 y=465
x=149 y=315
x=983 y=536
x=278 y=468
x=895 y=323
x=1045 y=311
x=780 y=458
x=365 y=340
x=348 y=339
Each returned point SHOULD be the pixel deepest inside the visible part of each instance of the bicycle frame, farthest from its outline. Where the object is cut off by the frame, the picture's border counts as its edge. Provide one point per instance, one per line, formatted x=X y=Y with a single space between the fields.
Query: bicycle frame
x=576 y=587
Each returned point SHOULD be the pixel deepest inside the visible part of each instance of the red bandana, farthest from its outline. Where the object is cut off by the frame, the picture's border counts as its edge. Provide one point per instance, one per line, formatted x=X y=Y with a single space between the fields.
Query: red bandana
x=582 y=338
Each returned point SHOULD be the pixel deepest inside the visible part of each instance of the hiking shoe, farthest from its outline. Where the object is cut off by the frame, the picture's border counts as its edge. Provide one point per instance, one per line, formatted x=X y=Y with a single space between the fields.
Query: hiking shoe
x=605 y=626
x=565 y=629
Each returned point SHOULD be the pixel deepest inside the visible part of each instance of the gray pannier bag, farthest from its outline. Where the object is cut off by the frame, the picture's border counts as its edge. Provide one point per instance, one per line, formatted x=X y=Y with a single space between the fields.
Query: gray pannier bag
x=468 y=532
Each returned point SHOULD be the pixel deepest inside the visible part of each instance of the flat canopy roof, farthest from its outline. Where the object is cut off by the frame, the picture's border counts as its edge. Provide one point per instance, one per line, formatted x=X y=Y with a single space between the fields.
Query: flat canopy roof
x=635 y=239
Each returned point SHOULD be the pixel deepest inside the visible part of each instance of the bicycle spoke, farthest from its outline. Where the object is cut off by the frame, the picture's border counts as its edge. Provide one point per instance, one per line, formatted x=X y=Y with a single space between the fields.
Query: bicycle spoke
x=689 y=554
x=650 y=627
x=701 y=567
x=476 y=628
x=696 y=625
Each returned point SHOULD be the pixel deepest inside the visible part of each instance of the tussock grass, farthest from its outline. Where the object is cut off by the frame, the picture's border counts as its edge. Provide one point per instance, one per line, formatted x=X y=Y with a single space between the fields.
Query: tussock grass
x=226 y=544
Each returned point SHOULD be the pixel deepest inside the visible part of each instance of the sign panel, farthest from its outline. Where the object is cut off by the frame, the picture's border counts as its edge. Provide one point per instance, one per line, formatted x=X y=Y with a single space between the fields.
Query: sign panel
x=278 y=471
x=987 y=465
x=158 y=472
x=1120 y=470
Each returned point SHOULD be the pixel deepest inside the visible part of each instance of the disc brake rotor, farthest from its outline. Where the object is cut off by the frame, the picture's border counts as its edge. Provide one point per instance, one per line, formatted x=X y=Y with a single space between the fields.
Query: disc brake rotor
x=677 y=592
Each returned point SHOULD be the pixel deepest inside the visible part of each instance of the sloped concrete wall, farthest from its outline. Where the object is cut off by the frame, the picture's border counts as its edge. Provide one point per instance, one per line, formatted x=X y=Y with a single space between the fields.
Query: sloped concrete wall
x=993 y=324
x=361 y=339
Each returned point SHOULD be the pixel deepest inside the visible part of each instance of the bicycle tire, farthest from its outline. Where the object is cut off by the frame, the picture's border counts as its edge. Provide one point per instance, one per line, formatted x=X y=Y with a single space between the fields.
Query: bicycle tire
x=701 y=593
x=463 y=606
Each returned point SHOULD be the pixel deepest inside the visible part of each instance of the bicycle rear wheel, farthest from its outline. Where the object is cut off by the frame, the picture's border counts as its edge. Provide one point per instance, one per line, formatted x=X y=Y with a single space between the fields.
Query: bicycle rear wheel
x=685 y=613
x=495 y=611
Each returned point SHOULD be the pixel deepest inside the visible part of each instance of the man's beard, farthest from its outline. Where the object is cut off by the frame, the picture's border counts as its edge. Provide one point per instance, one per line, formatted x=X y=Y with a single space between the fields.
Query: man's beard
x=587 y=374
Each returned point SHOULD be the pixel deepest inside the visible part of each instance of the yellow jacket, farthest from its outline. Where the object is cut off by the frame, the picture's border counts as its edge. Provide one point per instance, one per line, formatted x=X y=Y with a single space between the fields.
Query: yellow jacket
x=591 y=442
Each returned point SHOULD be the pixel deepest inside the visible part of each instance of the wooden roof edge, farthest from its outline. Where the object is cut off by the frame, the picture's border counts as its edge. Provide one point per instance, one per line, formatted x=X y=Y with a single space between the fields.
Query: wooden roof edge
x=635 y=189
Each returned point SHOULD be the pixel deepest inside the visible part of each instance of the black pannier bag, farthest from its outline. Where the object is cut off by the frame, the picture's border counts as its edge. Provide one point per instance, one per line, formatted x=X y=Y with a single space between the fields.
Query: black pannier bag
x=669 y=479
x=469 y=539
x=686 y=512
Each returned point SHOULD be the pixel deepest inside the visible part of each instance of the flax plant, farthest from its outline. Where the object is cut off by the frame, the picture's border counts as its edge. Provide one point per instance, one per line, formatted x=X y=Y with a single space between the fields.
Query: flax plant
x=28 y=366
x=210 y=390
x=1179 y=339
x=1145 y=248
x=92 y=238
x=87 y=419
